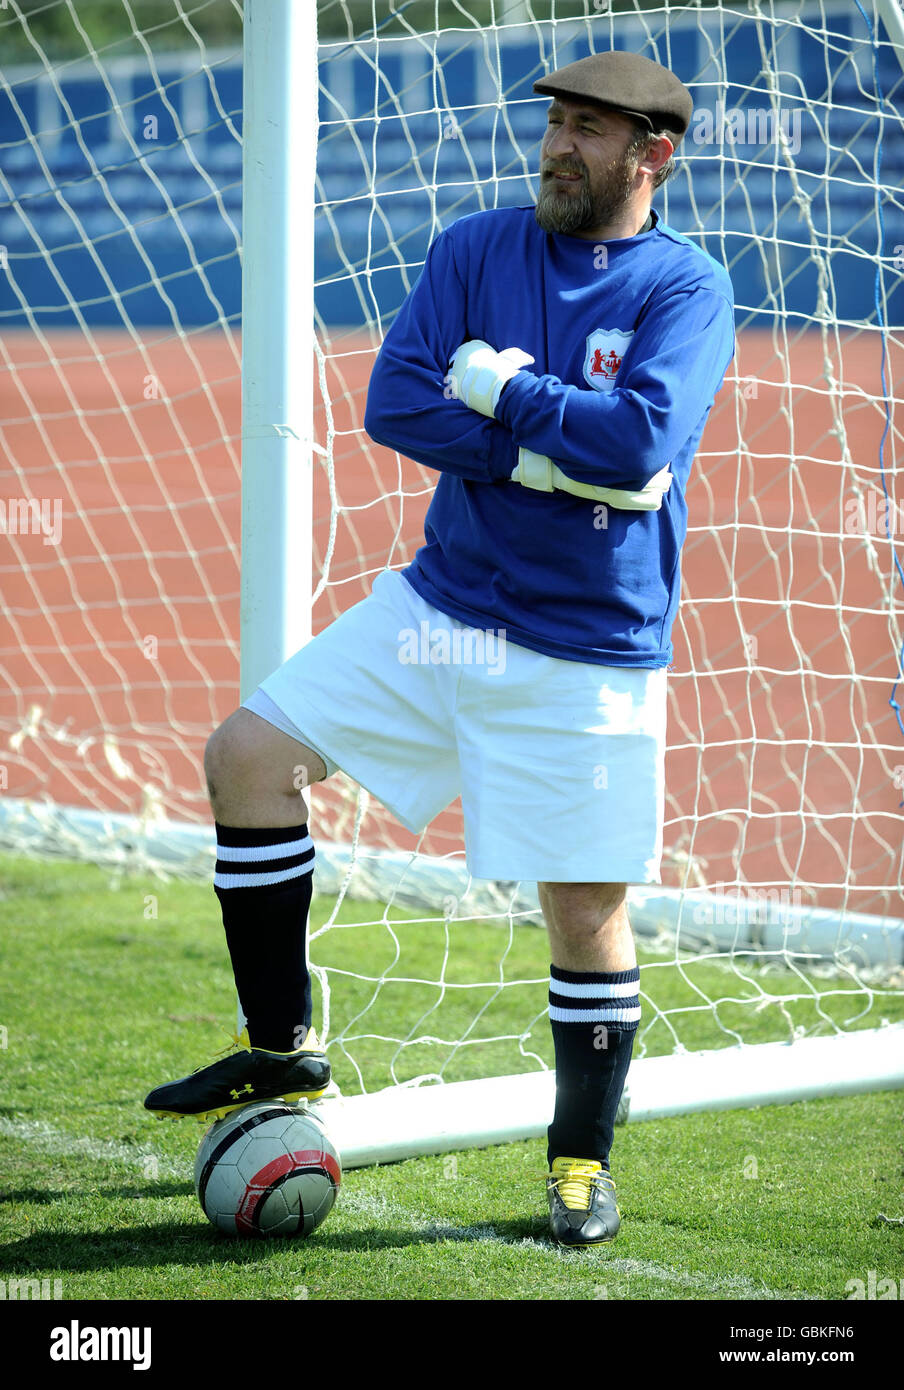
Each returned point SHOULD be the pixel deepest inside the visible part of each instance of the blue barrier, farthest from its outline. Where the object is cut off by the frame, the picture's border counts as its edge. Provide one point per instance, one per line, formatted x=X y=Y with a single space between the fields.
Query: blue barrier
x=130 y=205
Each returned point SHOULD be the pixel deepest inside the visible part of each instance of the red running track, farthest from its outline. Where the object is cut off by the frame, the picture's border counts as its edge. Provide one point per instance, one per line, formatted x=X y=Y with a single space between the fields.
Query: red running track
x=784 y=751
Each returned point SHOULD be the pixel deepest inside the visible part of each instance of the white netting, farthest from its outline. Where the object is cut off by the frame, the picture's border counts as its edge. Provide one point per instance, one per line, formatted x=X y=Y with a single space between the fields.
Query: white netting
x=119 y=305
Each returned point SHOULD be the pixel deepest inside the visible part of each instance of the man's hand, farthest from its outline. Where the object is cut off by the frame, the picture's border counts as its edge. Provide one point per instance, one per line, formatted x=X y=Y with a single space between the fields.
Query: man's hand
x=479 y=373
x=538 y=471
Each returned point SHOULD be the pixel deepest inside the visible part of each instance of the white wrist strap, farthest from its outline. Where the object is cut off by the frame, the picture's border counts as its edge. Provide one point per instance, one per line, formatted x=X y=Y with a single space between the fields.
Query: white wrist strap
x=539 y=472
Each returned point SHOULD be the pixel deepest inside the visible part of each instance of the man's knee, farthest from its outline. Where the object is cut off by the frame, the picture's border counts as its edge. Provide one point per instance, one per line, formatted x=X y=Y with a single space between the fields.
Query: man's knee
x=580 y=908
x=248 y=751
x=230 y=751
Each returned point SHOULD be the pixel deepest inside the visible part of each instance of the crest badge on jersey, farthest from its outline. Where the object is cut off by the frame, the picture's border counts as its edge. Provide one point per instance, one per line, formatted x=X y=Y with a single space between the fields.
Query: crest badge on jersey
x=605 y=349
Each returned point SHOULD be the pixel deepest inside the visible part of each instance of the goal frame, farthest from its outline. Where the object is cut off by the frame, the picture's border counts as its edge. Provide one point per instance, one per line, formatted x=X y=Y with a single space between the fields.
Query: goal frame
x=278 y=177
x=280 y=125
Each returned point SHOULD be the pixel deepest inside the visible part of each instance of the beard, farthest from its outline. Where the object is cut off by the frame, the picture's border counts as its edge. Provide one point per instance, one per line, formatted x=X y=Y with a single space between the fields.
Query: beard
x=587 y=207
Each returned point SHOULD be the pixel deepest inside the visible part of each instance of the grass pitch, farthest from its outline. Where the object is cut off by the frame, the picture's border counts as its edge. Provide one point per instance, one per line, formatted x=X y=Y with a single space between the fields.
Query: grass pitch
x=106 y=992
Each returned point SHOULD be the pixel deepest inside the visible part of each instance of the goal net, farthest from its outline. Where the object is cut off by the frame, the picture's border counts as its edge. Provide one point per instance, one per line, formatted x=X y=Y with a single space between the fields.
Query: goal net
x=780 y=915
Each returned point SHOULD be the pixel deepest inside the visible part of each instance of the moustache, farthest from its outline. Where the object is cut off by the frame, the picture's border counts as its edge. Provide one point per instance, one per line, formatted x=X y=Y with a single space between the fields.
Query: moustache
x=550 y=167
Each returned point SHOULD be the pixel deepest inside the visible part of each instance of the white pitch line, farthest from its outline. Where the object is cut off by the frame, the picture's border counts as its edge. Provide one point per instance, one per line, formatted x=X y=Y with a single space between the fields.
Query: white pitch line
x=733 y=1286
x=381 y=1208
x=47 y=1139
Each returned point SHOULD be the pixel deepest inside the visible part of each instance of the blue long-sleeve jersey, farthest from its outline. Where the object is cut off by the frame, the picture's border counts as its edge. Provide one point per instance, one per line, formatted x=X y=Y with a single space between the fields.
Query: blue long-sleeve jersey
x=631 y=340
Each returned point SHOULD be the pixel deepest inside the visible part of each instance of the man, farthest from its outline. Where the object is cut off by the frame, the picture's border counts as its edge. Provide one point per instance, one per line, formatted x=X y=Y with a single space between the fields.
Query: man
x=556 y=366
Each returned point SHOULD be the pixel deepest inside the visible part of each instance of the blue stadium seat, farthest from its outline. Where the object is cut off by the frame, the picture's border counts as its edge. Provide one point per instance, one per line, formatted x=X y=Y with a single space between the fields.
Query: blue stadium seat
x=131 y=188
x=337 y=184
x=14 y=234
x=57 y=229
x=83 y=194
x=223 y=157
x=187 y=187
x=27 y=184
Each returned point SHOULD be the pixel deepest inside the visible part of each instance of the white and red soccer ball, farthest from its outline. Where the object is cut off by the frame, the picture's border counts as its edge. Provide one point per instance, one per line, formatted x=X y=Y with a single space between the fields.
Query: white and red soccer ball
x=268 y=1169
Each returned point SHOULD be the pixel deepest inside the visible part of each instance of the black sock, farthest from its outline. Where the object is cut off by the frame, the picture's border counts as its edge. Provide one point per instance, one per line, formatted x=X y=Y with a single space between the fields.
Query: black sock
x=263 y=882
x=594 y=1018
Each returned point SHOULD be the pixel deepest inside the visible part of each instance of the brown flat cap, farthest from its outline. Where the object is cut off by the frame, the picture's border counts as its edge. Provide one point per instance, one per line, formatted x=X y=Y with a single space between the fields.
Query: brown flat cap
x=625 y=82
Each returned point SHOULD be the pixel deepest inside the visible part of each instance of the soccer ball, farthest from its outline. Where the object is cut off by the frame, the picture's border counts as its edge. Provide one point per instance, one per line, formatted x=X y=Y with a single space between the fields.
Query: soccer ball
x=268 y=1169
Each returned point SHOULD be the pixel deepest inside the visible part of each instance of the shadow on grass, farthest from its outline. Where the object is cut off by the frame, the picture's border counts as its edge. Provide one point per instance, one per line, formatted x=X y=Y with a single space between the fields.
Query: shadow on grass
x=129 y=1191
x=202 y=1247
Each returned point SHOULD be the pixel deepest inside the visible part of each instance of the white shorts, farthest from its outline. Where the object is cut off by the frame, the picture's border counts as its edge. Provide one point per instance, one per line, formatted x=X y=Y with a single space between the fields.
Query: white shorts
x=559 y=764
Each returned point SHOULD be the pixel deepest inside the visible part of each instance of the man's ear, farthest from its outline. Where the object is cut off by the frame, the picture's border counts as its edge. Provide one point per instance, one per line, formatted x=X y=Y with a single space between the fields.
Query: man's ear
x=658 y=152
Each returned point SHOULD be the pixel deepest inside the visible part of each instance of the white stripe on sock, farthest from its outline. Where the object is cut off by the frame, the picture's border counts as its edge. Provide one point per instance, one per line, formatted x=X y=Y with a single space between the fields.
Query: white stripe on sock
x=602 y=1015
x=261 y=880
x=240 y=854
x=584 y=991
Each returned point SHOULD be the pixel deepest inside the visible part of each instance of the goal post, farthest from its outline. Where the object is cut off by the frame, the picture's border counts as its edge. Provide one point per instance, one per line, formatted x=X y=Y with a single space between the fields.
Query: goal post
x=278 y=181
x=772 y=955
x=406 y=1122
x=410 y=1119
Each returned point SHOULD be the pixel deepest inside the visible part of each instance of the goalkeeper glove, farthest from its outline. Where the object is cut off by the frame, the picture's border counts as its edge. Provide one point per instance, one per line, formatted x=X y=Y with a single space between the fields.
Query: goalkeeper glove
x=539 y=472
x=479 y=373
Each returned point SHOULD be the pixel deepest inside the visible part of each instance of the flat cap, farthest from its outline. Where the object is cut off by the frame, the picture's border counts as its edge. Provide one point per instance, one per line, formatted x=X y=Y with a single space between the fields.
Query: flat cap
x=625 y=82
